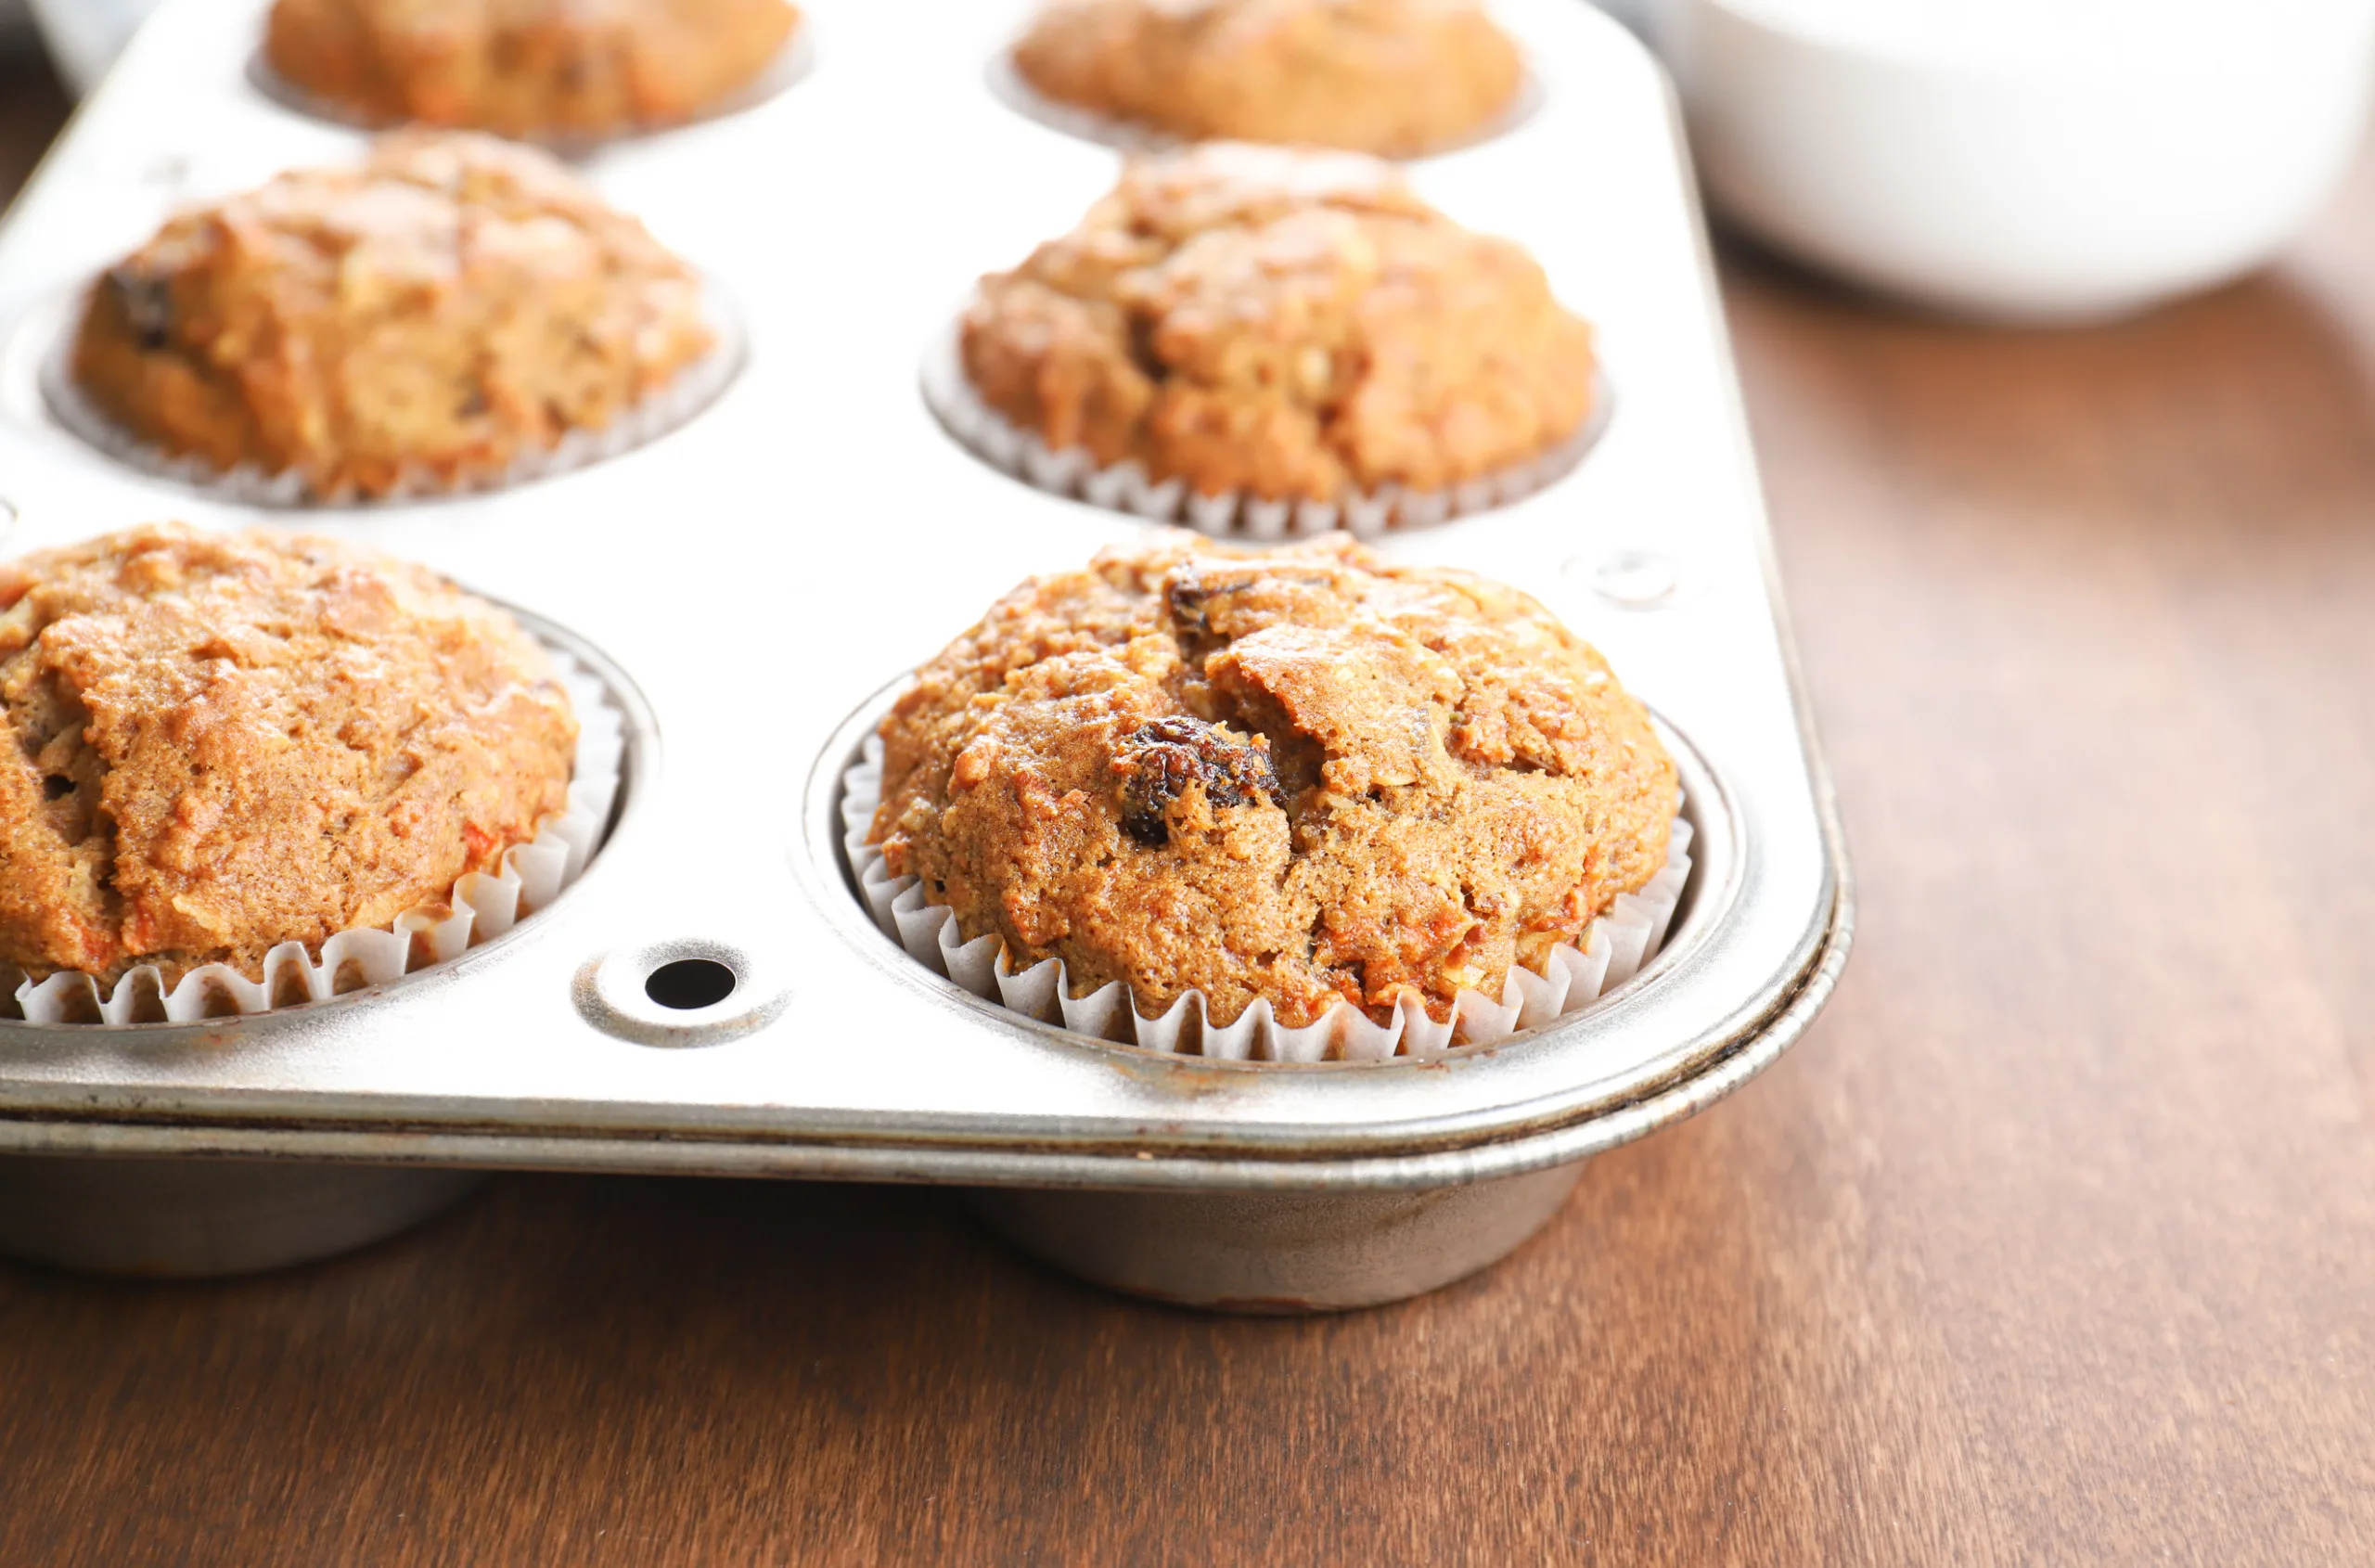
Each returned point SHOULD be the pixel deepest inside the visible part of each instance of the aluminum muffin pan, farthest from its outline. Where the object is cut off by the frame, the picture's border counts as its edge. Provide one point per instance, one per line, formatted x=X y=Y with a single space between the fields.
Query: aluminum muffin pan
x=764 y=573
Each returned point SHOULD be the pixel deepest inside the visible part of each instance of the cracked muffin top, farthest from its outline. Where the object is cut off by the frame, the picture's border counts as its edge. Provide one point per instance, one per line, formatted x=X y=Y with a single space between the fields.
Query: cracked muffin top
x=1295 y=325
x=1394 y=77
x=216 y=743
x=526 y=68
x=1305 y=775
x=446 y=307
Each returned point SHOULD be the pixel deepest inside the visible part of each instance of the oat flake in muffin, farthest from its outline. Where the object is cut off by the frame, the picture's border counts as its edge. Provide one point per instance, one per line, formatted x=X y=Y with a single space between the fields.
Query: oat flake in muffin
x=1289 y=325
x=218 y=743
x=1393 y=77
x=446 y=308
x=1303 y=775
x=526 y=68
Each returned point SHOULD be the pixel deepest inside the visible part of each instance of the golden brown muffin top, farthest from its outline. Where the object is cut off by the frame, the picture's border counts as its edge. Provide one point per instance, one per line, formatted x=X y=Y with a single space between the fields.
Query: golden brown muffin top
x=222 y=743
x=1292 y=324
x=1394 y=77
x=1307 y=776
x=526 y=68
x=450 y=303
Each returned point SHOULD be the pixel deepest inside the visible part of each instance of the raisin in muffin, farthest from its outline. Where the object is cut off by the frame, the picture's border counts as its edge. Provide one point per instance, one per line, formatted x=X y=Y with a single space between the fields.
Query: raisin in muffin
x=1303 y=775
x=217 y=743
x=1287 y=325
x=525 y=68
x=1394 y=77
x=427 y=318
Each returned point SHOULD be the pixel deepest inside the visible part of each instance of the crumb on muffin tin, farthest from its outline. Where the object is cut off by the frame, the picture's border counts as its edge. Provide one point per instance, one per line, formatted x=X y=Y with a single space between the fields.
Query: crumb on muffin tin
x=1303 y=776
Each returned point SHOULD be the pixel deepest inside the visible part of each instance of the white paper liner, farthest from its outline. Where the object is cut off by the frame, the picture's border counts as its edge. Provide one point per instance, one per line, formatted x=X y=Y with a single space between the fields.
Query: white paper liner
x=480 y=908
x=1235 y=514
x=1012 y=87
x=1570 y=981
x=791 y=62
x=693 y=389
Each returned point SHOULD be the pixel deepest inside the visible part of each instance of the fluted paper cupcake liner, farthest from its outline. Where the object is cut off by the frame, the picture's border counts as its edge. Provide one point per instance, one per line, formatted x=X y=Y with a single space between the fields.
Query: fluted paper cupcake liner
x=1234 y=514
x=791 y=62
x=1012 y=87
x=1570 y=981
x=691 y=390
x=482 y=907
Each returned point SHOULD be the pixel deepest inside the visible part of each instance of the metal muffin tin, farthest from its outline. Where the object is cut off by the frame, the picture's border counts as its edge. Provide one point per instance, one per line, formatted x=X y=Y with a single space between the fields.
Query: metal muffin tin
x=751 y=581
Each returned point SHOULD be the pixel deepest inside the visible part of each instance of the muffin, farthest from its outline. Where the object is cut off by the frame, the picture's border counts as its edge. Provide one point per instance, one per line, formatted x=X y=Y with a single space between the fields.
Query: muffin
x=1284 y=324
x=1393 y=77
x=1303 y=776
x=426 y=319
x=218 y=743
x=525 y=68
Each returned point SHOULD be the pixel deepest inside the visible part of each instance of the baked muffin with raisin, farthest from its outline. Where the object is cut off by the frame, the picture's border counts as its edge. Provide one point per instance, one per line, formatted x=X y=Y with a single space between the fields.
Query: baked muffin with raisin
x=218 y=743
x=427 y=318
x=1393 y=77
x=1286 y=325
x=552 y=69
x=1303 y=775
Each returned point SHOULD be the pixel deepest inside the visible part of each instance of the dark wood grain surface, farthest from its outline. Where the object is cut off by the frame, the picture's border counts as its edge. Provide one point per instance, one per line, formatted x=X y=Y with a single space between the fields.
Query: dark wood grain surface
x=2053 y=1243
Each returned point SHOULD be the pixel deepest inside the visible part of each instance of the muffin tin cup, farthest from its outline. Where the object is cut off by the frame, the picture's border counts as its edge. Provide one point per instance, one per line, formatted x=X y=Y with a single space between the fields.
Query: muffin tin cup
x=1279 y=1254
x=479 y=907
x=1572 y=979
x=791 y=63
x=1011 y=86
x=1239 y=515
x=692 y=390
x=190 y=1219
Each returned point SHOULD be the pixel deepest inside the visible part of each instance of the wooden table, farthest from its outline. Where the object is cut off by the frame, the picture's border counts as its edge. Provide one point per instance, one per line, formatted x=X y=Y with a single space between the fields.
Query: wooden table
x=2053 y=1243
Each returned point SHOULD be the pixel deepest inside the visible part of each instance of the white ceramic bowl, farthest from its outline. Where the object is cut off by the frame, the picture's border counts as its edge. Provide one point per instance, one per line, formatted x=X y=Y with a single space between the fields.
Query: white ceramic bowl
x=2025 y=159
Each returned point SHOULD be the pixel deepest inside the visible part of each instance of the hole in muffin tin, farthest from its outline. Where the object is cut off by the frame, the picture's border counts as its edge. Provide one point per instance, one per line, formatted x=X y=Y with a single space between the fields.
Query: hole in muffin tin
x=142 y=1001
x=1630 y=578
x=1708 y=895
x=37 y=383
x=1125 y=489
x=688 y=985
x=690 y=991
x=790 y=65
x=1007 y=85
